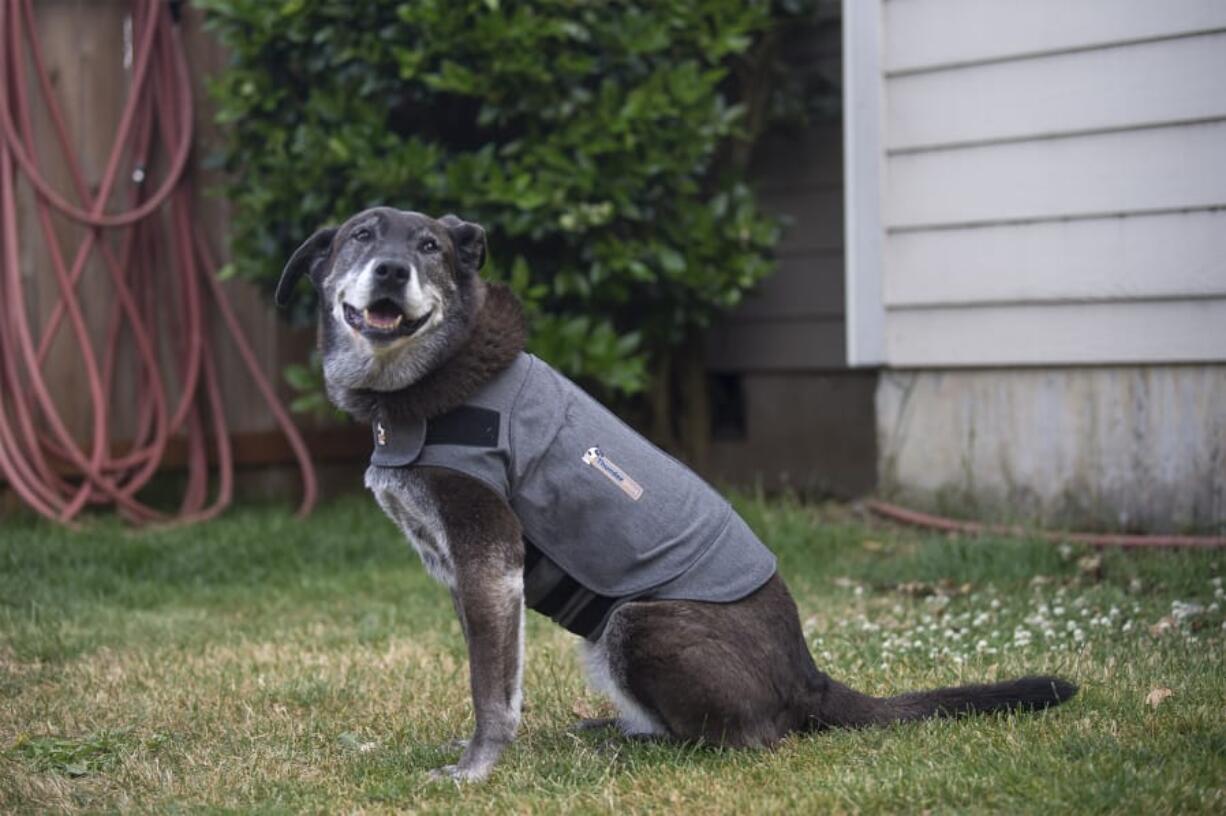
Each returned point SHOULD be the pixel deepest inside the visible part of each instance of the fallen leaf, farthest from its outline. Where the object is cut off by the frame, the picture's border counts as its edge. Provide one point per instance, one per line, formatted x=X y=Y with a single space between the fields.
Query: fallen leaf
x=872 y=546
x=1157 y=695
x=75 y=769
x=1091 y=566
x=1167 y=624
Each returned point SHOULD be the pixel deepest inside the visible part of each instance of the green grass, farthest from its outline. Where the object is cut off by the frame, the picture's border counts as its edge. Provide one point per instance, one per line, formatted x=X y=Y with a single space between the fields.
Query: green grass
x=265 y=664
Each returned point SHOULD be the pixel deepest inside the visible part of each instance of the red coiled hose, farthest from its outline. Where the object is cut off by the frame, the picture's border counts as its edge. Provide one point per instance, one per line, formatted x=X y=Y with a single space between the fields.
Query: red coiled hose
x=161 y=257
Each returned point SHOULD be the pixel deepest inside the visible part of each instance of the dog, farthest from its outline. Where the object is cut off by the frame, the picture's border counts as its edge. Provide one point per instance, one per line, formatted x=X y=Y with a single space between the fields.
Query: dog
x=517 y=489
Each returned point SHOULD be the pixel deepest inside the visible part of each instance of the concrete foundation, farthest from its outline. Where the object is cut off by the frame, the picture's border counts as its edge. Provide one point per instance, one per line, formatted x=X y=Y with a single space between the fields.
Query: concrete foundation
x=1121 y=448
x=807 y=432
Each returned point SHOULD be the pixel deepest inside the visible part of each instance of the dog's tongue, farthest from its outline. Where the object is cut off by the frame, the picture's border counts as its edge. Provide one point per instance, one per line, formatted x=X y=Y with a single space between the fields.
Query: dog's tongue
x=383 y=314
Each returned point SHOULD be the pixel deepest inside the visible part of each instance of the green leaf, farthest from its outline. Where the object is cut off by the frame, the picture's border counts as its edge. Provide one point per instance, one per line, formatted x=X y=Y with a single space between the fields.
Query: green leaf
x=672 y=260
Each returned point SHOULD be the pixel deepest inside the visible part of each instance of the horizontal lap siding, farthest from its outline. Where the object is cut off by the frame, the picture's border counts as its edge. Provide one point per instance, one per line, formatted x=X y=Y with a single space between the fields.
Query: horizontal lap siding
x=1111 y=174
x=1163 y=82
x=1065 y=333
x=1054 y=182
x=1138 y=257
x=921 y=34
x=794 y=320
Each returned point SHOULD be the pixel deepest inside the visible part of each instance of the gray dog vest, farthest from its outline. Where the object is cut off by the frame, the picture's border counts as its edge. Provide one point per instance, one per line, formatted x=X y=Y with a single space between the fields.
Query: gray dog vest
x=607 y=517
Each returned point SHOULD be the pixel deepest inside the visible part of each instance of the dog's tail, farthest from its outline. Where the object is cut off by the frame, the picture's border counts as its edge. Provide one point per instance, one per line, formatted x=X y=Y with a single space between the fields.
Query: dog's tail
x=840 y=706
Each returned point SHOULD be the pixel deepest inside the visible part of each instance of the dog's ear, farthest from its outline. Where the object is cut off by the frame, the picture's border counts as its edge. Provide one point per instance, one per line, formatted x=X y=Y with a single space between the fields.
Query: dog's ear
x=308 y=260
x=469 y=241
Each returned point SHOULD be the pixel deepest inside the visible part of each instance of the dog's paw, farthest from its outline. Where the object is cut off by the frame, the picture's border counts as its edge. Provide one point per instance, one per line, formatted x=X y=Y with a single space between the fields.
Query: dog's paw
x=458 y=774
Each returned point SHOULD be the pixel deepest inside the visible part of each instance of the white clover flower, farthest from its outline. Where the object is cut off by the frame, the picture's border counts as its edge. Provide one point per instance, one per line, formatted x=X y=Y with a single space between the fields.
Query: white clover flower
x=981 y=646
x=1181 y=611
x=1079 y=635
x=1127 y=627
x=995 y=604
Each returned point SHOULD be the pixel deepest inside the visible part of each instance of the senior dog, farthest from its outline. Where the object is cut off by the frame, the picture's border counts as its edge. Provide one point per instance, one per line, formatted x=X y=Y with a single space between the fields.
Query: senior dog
x=518 y=489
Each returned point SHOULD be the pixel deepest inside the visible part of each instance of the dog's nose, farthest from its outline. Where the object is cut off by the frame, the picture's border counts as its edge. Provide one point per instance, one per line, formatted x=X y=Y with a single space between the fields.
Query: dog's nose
x=388 y=272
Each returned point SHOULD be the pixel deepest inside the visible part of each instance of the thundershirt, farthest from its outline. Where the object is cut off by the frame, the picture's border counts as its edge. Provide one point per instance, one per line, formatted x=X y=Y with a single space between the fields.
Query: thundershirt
x=607 y=516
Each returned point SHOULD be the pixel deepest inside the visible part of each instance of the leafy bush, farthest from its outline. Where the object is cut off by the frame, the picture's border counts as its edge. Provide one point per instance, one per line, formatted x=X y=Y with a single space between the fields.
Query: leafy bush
x=598 y=142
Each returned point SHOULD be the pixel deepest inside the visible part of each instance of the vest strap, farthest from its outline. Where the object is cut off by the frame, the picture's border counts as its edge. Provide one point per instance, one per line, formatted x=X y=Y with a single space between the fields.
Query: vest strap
x=548 y=589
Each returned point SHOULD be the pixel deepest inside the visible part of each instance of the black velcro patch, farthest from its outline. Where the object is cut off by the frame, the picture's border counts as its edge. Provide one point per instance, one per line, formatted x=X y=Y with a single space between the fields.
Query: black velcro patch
x=467 y=425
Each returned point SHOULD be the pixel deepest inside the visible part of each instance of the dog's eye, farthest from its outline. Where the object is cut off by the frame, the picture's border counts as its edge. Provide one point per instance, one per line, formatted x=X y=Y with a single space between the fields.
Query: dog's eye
x=363 y=235
x=428 y=245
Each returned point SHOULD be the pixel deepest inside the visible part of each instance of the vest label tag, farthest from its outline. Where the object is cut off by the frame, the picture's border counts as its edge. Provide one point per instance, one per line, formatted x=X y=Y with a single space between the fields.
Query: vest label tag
x=616 y=475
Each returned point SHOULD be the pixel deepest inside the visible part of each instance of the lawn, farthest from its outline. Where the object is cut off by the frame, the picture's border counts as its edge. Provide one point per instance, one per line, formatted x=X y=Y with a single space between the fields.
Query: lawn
x=265 y=664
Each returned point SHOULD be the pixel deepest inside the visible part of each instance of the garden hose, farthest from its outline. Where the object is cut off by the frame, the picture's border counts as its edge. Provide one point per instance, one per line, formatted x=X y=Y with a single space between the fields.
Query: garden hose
x=161 y=271
x=942 y=524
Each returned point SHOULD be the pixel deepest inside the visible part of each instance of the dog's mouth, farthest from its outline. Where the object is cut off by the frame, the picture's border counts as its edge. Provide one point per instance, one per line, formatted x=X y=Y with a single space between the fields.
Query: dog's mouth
x=383 y=320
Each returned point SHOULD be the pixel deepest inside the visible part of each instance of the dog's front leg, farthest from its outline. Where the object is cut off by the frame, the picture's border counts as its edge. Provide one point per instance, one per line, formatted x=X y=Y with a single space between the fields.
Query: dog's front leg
x=490 y=601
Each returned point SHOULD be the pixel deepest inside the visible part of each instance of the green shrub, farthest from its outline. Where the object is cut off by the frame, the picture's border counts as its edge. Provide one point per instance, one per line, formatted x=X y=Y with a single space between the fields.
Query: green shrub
x=599 y=143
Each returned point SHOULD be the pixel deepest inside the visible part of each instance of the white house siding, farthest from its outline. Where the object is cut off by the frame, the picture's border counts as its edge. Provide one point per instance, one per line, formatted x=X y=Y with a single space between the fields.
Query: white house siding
x=1040 y=193
x=1054 y=181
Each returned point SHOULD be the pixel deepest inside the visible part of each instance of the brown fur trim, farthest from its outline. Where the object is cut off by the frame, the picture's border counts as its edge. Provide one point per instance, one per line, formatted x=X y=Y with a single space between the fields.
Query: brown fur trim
x=498 y=336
